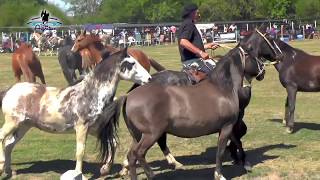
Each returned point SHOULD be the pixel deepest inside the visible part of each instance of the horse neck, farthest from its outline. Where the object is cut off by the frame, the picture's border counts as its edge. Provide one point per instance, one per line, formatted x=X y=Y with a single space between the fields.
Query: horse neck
x=94 y=93
x=95 y=53
x=229 y=73
x=290 y=55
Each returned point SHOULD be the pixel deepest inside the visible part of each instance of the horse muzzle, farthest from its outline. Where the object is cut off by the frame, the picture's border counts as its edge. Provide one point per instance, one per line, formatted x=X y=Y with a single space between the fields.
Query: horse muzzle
x=260 y=76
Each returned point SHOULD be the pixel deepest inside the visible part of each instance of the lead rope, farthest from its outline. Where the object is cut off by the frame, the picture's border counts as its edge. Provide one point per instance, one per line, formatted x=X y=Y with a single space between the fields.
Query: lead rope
x=245 y=81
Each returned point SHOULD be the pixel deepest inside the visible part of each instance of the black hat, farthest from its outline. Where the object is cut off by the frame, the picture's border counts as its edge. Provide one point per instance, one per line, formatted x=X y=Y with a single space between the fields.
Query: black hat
x=188 y=9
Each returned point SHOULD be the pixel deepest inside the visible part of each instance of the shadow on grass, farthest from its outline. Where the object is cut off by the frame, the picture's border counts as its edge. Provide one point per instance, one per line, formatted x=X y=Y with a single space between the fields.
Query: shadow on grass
x=300 y=125
x=61 y=166
x=254 y=156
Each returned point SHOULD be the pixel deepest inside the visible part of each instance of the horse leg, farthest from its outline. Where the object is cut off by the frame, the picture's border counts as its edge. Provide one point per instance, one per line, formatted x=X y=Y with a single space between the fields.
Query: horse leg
x=286 y=112
x=81 y=136
x=162 y=142
x=38 y=71
x=132 y=160
x=105 y=168
x=26 y=71
x=239 y=130
x=222 y=144
x=9 y=126
x=242 y=156
x=18 y=135
x=292 y=93
x=18 y=76
x=145 y=143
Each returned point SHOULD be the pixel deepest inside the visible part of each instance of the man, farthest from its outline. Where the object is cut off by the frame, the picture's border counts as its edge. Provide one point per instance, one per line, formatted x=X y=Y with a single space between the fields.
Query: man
x=190 y=44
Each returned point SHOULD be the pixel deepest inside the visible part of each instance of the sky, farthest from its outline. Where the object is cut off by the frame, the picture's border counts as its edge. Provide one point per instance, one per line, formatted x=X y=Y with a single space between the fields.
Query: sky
x=60 y=3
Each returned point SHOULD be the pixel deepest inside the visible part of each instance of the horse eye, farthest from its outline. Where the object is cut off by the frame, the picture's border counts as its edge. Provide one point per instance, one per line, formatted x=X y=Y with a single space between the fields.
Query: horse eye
x=126 y=65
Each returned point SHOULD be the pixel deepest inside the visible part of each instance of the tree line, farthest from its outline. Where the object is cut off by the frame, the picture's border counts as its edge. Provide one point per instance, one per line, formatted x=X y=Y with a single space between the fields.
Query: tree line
x=17 y=12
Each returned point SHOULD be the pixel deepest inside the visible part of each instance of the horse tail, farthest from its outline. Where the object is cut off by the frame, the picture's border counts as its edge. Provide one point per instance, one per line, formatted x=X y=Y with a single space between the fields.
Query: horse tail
x=156 y=65
x=107 y=134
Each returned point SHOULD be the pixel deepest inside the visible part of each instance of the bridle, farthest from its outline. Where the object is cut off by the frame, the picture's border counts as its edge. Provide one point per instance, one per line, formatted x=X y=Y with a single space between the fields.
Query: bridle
x=243 y=54
x=273 y=47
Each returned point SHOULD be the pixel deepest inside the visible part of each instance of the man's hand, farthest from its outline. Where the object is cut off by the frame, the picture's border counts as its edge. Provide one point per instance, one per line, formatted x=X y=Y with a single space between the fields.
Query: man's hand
x=203 y=55
x=211 y=45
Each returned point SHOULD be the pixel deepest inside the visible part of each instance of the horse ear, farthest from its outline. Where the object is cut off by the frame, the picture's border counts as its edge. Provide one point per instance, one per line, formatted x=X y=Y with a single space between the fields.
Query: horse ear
x=125 y=52
x=84 y=32
x=263 y=27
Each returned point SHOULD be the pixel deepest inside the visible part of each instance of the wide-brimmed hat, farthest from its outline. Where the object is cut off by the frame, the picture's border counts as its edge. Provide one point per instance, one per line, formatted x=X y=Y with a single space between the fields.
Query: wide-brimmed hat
x=188 y=9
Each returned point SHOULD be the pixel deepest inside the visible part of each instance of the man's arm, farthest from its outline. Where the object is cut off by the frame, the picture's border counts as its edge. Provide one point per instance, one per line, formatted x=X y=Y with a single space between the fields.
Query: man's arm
x=188 y=45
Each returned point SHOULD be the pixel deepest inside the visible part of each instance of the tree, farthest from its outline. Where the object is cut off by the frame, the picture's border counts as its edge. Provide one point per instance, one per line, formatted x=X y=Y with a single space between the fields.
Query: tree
x=27 y=9
x=308 y=9
x=84 y=8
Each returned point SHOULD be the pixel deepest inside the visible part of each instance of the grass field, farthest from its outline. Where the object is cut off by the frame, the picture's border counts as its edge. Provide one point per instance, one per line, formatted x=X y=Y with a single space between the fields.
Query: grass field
x=273 y=153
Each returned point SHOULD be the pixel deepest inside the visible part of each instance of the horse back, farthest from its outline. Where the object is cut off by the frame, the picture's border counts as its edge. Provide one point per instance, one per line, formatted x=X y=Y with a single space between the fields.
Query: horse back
x=184 y=111
x=303 y=71
x=23 y=100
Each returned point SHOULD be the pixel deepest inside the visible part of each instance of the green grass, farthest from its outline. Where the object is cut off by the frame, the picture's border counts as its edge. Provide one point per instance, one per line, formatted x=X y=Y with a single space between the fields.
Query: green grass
x=273 y=153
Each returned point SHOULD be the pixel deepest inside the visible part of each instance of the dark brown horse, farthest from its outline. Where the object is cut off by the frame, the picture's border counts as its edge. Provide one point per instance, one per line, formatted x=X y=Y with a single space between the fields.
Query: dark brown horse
x=24 y=61
x=94 y=45
x=208 y=107
x=298 y=71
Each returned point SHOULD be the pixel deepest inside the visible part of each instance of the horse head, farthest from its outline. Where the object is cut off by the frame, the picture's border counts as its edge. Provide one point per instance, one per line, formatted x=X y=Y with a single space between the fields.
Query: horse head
x=261 y=44
x=253 y=66
x=129 y=68
x=84 y=41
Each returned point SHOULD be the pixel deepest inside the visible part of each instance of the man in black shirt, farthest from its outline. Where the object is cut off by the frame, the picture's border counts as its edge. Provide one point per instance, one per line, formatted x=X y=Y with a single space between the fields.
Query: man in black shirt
x=191 y=47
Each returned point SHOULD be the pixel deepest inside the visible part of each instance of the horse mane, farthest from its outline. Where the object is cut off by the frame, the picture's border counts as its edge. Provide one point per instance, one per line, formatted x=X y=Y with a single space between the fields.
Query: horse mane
x=286 y=47
x=222 y=75
x=105 y=68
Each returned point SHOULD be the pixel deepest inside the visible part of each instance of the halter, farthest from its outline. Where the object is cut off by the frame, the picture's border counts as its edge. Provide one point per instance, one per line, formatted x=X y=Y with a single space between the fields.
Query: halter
x=242 y=53
x=269 y=43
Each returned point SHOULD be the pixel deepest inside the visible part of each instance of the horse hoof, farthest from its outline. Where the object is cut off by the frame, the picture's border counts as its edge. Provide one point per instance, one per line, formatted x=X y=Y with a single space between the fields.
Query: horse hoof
x=124 y=172
x=104 y=170
x=289 y=130
x=178 y=165
x=218 y=176
x=284 y=122
x=247 y=166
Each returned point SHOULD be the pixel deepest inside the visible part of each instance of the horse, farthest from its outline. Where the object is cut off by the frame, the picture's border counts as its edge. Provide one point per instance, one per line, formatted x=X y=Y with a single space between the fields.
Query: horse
x=69 y=63
x=169 y=77
x=96 y=48
x=77 y=107
x=205 y=108
x=298 y=71
x=25 y=61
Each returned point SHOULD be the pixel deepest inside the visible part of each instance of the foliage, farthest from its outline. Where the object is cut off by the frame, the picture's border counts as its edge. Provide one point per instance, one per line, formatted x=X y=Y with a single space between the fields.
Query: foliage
x=310 y=8
x=18 y=12
x=158 y=11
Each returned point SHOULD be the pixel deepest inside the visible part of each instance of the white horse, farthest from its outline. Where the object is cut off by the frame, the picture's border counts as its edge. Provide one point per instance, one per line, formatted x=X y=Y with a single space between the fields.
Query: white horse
x=77 y=107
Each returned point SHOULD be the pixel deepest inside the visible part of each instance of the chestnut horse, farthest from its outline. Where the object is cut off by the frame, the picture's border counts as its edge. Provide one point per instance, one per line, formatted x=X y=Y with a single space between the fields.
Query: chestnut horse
x=208 y=107
x=94 y=45
x=25 y=61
